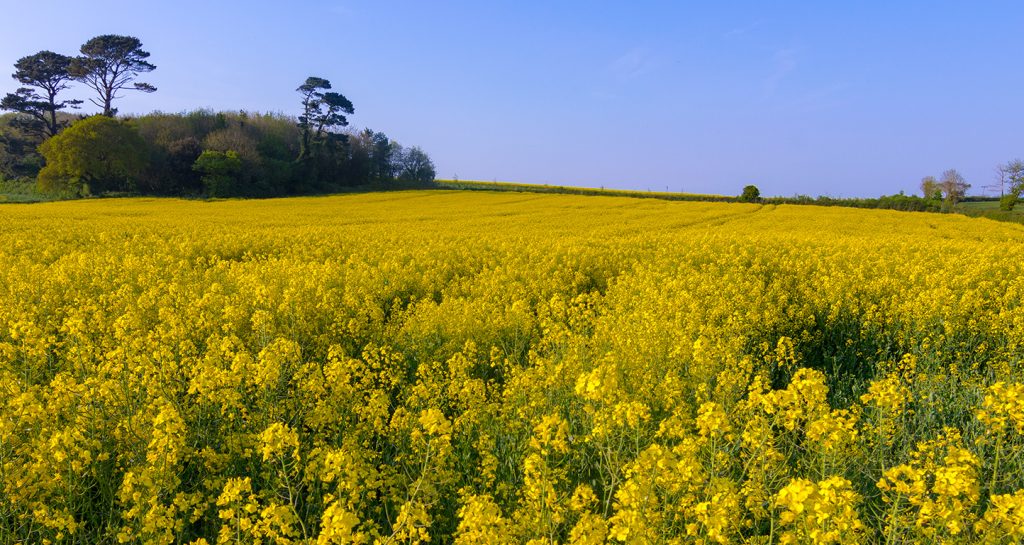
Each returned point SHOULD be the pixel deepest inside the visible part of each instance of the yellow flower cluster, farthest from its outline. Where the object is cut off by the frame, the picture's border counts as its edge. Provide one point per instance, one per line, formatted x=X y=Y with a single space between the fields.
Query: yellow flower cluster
x=1004 y=519
x=819 y=512
x=938 y=489
x=1003 y=408
x=469 y=367
x=801 y=402
x=279 y=441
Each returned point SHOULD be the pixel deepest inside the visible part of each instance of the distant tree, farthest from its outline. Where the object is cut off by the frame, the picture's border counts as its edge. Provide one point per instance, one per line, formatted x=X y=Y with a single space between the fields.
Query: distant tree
x=930 y=188
x=46 y=75
x=416 y=166
x=1012 y=174
x=322 y=111
x=954 y=187
x=108 y=64
x=750 y=194
x=1000 y=181
x=220 y=172
x=91 y=156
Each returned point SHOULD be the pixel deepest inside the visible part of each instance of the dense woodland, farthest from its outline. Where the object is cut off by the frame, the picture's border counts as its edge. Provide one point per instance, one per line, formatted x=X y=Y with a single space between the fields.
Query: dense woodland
x=198 y=153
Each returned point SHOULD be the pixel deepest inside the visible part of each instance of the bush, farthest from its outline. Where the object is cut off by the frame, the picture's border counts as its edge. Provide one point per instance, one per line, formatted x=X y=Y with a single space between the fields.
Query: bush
x=95 y=155
x=1008 y=201
x=220 y=172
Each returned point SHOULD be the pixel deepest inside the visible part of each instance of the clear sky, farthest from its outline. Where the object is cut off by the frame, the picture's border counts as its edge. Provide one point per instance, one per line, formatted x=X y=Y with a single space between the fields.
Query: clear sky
x=854 y=98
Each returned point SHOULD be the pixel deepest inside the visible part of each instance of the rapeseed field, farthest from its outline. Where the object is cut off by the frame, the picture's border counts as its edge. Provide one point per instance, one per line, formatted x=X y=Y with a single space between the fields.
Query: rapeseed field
x=456 y=367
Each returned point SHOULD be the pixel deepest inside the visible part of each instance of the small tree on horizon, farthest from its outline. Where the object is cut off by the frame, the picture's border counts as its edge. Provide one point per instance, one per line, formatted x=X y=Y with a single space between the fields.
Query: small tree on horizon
x=954 y=187
x=1012 y=174
x=416 y=166
x=930 y=188
x=750 y=194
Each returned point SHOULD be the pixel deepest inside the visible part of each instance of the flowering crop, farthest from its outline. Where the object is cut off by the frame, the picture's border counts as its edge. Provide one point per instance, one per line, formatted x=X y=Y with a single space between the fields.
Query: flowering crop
x=453 y=367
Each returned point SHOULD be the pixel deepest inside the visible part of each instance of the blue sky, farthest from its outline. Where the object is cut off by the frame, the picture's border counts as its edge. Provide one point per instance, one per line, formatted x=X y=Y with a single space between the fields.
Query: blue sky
x=851 y=98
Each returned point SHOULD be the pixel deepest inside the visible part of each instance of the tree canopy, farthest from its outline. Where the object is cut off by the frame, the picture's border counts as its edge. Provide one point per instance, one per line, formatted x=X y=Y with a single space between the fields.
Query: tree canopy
x=930 y=188
x=45 y=74
x=750 y=194
x=416 y=166
x=108 y=64
x=322 y=111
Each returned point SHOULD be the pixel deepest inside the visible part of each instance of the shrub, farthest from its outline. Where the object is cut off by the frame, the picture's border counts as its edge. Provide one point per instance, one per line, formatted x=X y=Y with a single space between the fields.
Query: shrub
x=220 y=170
x=94 y=155
x=1008 y=201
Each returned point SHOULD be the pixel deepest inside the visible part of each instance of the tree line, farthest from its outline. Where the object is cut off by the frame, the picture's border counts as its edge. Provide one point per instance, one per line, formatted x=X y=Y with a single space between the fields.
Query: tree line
x=951 y=188
x=940 y=194
x=202 y=152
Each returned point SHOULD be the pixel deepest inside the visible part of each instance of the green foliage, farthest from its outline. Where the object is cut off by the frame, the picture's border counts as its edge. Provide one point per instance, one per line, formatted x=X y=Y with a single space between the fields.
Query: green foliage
x=94 y=155
x=23 y=190
x=1013 y=174
x=750 y=194
x=18 y=155
x=267 y=145
x=170 y=168
x=899 y=201
x=990 y=208
x=1008 y=201
x=930 y=188
x=33 y=109
x=220 y=172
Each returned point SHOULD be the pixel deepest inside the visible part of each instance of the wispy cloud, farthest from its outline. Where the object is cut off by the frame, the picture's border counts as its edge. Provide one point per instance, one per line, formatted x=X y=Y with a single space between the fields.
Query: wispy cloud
x=620 y=72
x=342 y=9
x=814 y=100
x=632 y=64
x=784 y=63
x=743 y=30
